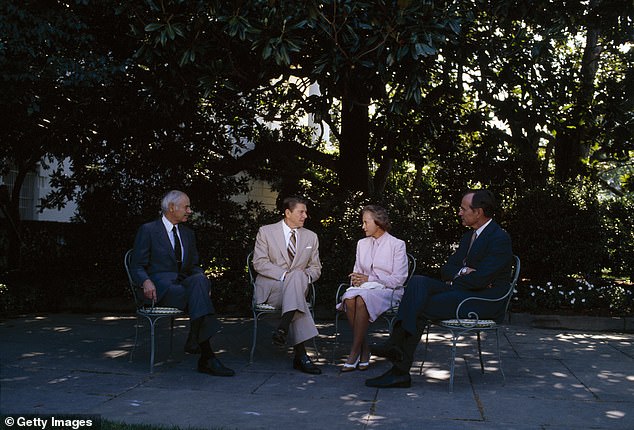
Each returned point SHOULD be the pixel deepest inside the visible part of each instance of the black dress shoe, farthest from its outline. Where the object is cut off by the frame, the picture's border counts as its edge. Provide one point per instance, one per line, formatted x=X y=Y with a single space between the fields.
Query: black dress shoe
x=191 y=347
x=388 y=350
x=390 y=379
x=279 y=337
x=306 y=365
x=213 y=366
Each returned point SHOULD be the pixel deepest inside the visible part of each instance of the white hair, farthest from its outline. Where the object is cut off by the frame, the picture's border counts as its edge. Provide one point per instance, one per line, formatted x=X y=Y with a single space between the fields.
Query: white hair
x=171 y=197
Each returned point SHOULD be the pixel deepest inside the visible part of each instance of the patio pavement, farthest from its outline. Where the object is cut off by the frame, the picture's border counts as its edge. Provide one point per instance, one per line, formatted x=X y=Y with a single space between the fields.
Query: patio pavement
x=79 y=364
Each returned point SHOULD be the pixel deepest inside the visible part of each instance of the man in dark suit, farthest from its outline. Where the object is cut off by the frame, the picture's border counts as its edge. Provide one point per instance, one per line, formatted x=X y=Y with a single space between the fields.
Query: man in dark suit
x=481 y=266
x=165 y=265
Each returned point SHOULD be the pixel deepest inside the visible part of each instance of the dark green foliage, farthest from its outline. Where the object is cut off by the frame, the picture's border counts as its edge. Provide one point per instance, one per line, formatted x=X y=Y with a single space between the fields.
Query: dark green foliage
x=557 y=233
x=618 y=229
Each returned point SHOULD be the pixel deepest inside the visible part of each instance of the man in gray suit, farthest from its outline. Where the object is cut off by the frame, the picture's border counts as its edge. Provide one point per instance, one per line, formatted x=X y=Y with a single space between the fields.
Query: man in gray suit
x=286 y=258
x=165 y=265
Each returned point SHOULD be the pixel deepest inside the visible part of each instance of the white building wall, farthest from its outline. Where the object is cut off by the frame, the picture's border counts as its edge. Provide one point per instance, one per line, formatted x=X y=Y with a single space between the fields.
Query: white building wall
x=36 y=186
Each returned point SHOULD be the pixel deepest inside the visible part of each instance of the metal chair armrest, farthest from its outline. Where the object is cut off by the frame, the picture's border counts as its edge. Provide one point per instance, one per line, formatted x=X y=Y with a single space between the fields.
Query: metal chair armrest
x=474 y=315
x=340 y=292
x=311 y=294
x=393 y=302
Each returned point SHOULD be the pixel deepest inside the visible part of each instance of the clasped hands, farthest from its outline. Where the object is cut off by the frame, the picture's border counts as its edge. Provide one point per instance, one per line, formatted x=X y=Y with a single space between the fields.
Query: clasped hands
x=356 y=279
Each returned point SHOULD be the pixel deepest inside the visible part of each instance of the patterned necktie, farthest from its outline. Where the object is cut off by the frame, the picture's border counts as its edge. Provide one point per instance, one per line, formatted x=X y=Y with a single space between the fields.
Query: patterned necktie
x=178 y=250
x=292 y=246
x=474 y=236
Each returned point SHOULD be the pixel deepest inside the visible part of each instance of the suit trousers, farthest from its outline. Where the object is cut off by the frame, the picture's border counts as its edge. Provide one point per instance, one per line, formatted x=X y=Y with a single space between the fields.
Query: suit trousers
x=290 y=295
x=192 y=295
x=415 y=300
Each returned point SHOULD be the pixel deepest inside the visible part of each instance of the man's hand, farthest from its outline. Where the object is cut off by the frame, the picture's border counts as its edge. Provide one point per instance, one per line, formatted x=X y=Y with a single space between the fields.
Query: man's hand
x=468 y=270
x=149 y=290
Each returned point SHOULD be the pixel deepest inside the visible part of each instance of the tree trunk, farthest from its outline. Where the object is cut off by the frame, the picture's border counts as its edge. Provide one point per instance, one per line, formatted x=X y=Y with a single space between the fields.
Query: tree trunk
x=353 y=167
x=572 y=143
x=13 y=211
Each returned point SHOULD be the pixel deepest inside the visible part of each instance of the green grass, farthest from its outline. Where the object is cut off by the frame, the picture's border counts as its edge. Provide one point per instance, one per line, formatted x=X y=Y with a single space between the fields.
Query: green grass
x=112 y=425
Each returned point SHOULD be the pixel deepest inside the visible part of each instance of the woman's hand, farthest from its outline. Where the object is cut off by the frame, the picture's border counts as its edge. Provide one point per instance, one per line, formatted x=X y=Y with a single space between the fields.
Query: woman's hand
x=357 y=279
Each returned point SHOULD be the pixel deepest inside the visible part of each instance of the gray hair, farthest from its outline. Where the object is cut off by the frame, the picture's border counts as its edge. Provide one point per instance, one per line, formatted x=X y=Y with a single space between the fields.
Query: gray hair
x=171 y=197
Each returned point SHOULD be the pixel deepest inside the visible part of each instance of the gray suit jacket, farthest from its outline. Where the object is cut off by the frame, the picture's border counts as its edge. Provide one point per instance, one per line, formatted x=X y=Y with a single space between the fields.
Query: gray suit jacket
x=270 y=258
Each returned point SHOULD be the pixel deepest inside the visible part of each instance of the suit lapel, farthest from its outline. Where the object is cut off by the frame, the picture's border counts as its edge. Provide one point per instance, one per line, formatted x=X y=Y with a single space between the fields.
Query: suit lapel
x=481 y=240
x=163 y=238
x=280 y=241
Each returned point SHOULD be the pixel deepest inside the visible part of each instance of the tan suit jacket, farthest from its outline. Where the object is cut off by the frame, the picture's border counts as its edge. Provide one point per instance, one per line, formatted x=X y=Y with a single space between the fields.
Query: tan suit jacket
x=271 y=260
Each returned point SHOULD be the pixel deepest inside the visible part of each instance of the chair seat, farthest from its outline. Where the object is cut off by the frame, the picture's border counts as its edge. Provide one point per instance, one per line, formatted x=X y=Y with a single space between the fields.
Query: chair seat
x=160 y=310
x=265 y=307
x=468 y=323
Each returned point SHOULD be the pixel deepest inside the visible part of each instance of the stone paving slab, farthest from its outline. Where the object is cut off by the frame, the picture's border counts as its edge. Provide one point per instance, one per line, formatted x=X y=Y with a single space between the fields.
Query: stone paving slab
x=69 y=363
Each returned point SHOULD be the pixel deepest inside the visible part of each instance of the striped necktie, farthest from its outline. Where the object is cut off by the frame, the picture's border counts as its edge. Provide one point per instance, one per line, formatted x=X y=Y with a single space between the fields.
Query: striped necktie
x=292 y=246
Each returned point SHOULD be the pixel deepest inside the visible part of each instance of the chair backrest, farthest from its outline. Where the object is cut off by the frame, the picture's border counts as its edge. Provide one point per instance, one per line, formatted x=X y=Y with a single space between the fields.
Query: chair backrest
x=513 y=285
x=411 y=267
x=506 y=298
x=138 y=303
x=252 y=275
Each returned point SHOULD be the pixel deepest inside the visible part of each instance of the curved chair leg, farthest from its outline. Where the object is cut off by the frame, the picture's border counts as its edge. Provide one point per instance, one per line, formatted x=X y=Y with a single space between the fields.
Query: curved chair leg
x=480 y=352
x=453 y=360
x=422 y=363
x=312 y=312
x=316 y=349
x=334 y=348
x=255 y=336
x=152 y=343
x=171 y=335
x=136 y=337
x=497 y=344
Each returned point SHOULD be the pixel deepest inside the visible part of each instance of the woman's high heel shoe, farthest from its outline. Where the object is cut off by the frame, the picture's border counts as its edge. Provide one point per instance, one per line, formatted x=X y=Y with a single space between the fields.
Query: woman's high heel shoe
x=363 y=365
x=349 y=367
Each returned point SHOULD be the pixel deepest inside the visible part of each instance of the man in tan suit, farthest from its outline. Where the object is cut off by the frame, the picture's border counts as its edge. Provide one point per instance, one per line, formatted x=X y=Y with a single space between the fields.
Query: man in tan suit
x=286 y=258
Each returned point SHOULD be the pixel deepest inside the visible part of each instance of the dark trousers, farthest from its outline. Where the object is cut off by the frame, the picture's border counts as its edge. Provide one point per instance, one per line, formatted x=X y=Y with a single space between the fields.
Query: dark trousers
x=427 y=299
x=415 y=300
x=192 y=295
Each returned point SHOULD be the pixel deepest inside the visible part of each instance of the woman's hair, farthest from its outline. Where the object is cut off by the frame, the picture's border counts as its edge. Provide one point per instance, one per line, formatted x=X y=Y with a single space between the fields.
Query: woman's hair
x=379 y=215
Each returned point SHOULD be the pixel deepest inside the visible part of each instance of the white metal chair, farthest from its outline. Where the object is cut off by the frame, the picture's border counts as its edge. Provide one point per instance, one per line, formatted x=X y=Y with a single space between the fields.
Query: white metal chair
x=389 y=315
x=473 y=323
x=151 y=313
x=261 y=309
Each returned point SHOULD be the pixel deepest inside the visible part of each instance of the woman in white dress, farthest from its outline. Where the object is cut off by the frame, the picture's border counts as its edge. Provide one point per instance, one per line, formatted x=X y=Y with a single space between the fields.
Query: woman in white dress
x=380 y=266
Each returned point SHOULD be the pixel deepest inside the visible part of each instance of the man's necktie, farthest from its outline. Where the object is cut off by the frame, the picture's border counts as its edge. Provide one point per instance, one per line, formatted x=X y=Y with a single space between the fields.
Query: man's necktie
x=292 y=246
x=474 y=236
x=178 y=250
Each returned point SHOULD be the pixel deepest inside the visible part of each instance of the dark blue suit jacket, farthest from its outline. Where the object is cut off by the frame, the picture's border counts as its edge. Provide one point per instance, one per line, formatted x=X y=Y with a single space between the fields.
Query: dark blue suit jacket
x=491 y=255
x=153 y=256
